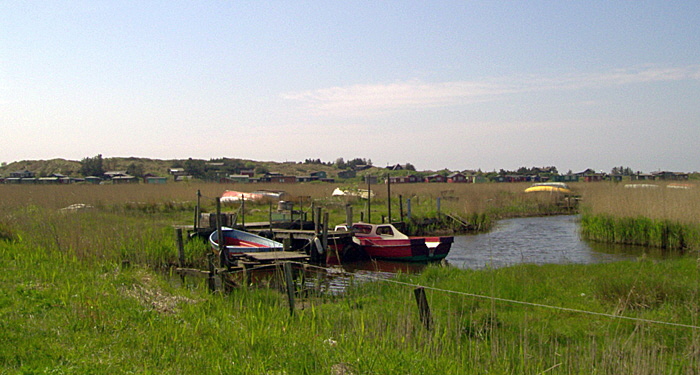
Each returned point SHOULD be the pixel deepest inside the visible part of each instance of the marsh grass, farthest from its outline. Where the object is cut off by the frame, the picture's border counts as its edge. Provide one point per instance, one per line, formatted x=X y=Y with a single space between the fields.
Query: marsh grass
x=660 y=217
x=85 y=292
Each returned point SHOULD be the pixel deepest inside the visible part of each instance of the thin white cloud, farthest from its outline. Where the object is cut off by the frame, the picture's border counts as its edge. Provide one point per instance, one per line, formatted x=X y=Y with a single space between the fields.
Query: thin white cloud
x=372 y=98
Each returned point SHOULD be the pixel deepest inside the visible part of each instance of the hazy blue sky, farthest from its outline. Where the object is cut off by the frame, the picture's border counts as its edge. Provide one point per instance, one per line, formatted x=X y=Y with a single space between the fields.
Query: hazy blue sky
x=439 y=84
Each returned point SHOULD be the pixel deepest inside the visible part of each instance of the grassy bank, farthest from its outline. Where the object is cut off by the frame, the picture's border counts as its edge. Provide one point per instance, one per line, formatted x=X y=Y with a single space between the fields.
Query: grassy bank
x=89 y=291
x=60 y=314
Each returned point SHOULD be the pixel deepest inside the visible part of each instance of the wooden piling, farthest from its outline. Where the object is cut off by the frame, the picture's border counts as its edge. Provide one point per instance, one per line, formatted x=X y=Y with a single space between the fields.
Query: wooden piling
x=197 y=212
x=221 y=244
x=324 y=233
x=289 y=280
x=388 y=197
x=369 y=196
x=180 y=247
x=423 y=308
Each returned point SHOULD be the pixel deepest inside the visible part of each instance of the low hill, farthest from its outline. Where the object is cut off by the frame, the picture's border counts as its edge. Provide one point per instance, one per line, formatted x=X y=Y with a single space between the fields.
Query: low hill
x=156 y=167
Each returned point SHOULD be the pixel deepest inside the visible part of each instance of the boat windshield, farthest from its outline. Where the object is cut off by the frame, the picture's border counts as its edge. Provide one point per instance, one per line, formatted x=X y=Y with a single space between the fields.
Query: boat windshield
x=385 y=231
x=363 y=229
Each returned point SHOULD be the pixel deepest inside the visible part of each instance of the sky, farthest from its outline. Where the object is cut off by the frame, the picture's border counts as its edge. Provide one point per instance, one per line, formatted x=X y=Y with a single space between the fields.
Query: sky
x=458 y=85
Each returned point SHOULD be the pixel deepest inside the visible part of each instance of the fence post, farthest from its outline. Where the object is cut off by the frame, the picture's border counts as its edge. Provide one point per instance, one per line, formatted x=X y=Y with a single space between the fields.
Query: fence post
x=180 y=247
x=423 y=307
x=348 y=215
x=289 y=280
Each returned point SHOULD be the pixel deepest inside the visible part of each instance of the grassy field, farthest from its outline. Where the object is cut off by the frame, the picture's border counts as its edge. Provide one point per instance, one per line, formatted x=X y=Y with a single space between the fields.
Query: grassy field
x=91 y=291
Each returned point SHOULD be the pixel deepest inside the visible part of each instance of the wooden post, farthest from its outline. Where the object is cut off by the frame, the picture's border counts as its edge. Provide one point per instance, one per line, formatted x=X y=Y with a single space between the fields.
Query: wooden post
x=408 y=208
x=180 y=247
x=242 y=210
x=438 y=205
x=289 y=280
x=348 y=215
x=401 y=207
x=388 y=197
x=423 y=307
x=197 y=212
x=270 y=219
x=317 y=220
x=219 y=235
x=324 y=235
x=369 y=196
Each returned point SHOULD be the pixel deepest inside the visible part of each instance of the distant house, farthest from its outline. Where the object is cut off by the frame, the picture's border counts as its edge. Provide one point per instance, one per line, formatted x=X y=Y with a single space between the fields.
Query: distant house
x=347 y=174
x=670 y=176
x=565 y=178
x=511 y=178
x=590 y=175
x=643 y=177
x=276 y=177
x=176 y=171
x=22 y=174
x=435 y=178
x=320 y=175
x=395 y=167
x=48 y=180
x=248 y=172
x=155 y=180
x=112 y=174
x=241 y=178
x=93 y=180
x=456 y=177
x=404 y=179
x=125 y=179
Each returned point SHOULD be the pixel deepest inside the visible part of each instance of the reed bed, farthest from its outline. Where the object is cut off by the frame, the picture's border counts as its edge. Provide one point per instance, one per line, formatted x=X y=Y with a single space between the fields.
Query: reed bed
x=660 y=217
x=90 y=291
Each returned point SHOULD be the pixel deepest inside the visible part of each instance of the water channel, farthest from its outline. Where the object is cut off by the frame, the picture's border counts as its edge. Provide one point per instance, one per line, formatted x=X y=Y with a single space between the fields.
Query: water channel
x=535 y=240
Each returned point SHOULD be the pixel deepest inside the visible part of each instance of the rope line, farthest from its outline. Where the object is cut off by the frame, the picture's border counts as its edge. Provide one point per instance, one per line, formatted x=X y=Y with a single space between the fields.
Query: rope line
x=567 y=309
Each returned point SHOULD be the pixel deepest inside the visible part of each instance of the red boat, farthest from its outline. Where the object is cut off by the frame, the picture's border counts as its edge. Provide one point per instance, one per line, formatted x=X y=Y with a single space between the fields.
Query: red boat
x=384 y=241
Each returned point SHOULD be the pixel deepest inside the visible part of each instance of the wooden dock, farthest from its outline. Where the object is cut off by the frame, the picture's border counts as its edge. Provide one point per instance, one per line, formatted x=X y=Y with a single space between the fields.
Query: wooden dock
x=276 y=256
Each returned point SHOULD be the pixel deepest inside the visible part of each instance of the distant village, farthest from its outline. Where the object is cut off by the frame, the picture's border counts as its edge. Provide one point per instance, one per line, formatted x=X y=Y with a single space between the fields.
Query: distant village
x=395 y=174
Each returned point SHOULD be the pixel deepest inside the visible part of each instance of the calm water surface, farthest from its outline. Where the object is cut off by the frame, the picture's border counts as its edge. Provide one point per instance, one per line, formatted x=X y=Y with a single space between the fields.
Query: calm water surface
x=536 y=240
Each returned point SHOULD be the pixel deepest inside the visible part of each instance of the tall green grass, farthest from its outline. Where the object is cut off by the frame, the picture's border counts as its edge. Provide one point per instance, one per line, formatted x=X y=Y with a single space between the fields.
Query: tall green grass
x=90 y=292
x=654 y=217
x=59 y=314
x=664 y=234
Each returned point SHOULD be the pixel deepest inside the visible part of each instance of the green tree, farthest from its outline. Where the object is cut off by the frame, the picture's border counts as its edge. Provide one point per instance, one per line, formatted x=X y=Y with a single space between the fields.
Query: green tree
x=92 y=166
x=195 y=168
x=135 y=170
x=261 y=169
